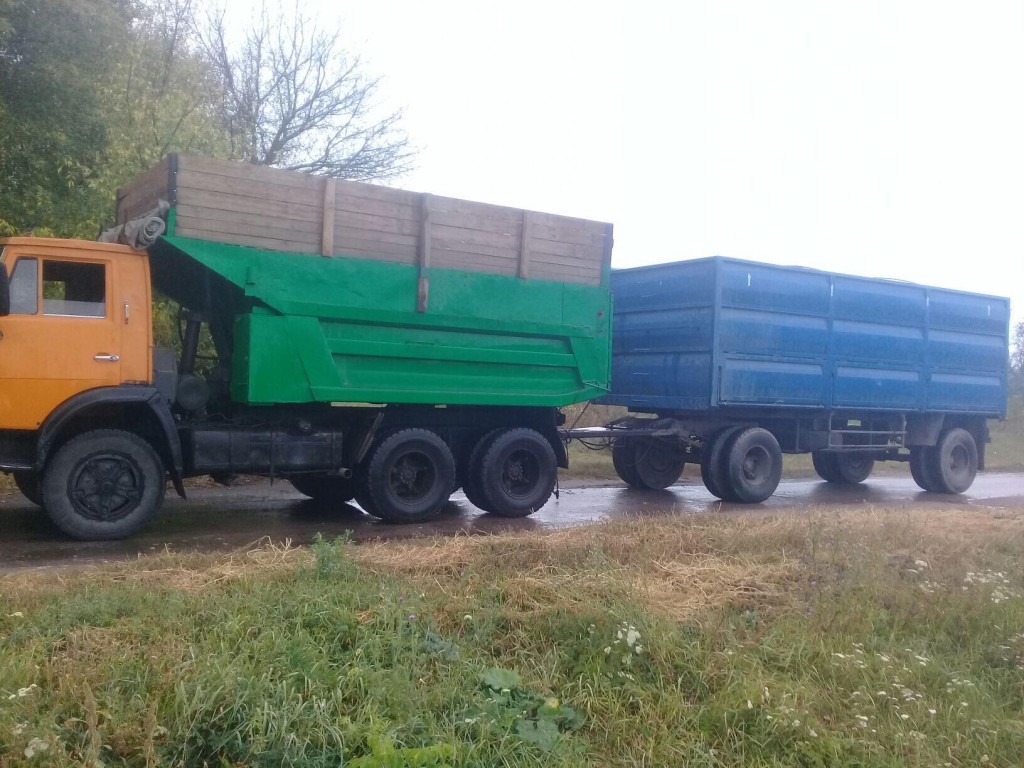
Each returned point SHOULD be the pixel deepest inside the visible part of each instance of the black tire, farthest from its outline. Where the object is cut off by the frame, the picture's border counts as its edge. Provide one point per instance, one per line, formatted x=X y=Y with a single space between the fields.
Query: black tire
x=410 y=476
x=28 y=483
x=658 y=464
x=954 y=461
x=471 y=484
x=518 y=472
x=847 y=468
x=854 y=467
x=624 y=461
x=754 y=464
x=712 y=462
x=920 y=468
x=325 y=488
x=826 y=466
x=105 y=484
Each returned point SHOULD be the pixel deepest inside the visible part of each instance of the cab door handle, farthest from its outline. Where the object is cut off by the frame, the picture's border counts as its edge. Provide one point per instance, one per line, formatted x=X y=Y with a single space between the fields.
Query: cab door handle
x=107 y=358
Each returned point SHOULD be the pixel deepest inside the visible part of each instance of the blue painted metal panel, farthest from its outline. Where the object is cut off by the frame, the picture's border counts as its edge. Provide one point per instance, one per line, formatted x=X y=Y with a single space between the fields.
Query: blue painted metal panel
x=877 y=388
x=714 y=333
x=771 y=382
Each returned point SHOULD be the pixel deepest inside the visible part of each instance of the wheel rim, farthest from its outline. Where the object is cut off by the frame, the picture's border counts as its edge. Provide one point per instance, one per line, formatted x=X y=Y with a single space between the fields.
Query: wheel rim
x=105 y=487
x=756 y=465
x=412 y=477
x=660 y=457
x=520 y=473
x=959 y=460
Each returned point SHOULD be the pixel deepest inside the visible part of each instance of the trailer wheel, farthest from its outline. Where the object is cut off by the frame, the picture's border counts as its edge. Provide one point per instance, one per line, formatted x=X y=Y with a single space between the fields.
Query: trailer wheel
x=471 y=484
x=326 y=488
x=754 y=465
x=105 y=484
x=409 y=476
x=826 y=466
x=28 y=483
x=624 y=461
x=954 y=461
x=518 y=472
x=854 y=467
x=712 y=462
x=658 y=464
x=920 y=468
x=842 y=468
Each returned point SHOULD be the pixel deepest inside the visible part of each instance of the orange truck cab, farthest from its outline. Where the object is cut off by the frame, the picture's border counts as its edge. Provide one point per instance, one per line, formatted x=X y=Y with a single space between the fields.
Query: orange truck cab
x=77 y=381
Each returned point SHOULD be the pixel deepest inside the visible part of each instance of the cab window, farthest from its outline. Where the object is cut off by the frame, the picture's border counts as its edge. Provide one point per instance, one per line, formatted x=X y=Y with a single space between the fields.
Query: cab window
x=74 y=289
x=25 y=287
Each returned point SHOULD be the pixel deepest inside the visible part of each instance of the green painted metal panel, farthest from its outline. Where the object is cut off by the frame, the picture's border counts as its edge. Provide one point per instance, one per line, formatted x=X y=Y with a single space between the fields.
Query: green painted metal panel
x=348 y=330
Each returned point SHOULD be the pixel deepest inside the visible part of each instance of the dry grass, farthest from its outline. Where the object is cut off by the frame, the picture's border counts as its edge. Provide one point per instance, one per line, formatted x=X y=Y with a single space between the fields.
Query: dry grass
x=310 y=654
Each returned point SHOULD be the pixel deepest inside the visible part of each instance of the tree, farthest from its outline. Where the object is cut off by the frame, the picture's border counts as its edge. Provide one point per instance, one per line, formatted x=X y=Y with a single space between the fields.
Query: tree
x=292 y=98
x=53 y=56
x=1017 y=351
x=1017 y=361
x=160 y=96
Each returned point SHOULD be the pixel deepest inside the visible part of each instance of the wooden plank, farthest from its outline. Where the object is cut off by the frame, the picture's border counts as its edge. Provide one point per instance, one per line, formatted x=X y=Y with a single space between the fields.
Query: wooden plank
x=211 y=218
x=285 y=246
x=246 y=189
x=423 y=255
x=544 y=272
x=242 y=175
x=508 y=254
x=549 y=227
x=365 y=205
x=327 y=232
x=215 y=204
x=477 y=237
x=473 y=262
x=402 y=248
x=506 y=224
x=363 y=221
x=524 y=246
x=229 y=230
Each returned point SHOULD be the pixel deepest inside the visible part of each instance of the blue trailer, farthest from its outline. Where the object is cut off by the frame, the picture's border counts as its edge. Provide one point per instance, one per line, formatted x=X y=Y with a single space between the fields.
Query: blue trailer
x=730 y=363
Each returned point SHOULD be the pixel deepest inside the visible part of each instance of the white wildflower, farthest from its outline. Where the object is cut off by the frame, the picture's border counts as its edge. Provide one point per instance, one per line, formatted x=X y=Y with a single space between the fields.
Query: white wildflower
x=35 y=747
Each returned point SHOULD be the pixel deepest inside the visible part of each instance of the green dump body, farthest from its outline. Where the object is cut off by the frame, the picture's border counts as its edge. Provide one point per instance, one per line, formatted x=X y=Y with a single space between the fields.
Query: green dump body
x=353 y=330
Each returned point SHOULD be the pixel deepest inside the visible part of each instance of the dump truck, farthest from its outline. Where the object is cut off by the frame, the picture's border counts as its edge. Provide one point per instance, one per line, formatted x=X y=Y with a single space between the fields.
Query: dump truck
x=729 y=364
x=368 y=343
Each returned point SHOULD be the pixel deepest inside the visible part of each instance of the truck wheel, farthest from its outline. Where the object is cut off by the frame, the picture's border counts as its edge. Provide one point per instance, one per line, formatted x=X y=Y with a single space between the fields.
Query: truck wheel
x=712 y=462
x=826 y=466
x=471 y=485
x=105 y=484
x=410 y=476
x=518 y=472
x=28 y=483
x=842 y=468
x=327 y=488
x=624 y=461
x=854 y=467
x=657 y=464
x=954 y=461
x=754 y=465
x=920 y=463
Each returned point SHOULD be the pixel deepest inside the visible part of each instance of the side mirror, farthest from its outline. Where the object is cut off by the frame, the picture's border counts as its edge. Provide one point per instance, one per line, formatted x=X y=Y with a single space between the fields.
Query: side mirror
x=5 y=291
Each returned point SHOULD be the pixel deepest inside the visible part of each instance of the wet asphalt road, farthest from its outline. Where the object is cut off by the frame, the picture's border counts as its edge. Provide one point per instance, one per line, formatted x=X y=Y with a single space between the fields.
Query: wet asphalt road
x=222 y=519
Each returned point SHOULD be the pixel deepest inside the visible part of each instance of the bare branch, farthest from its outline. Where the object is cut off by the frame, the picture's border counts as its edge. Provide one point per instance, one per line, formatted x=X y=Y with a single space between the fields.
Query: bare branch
x=293 y=99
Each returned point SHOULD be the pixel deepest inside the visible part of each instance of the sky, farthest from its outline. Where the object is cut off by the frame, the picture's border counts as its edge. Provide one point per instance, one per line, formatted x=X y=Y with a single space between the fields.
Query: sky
x=883 y=139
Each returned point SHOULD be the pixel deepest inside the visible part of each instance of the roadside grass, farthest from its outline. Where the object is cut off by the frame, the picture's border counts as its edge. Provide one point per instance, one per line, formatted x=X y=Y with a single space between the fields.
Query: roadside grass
x=874 y=637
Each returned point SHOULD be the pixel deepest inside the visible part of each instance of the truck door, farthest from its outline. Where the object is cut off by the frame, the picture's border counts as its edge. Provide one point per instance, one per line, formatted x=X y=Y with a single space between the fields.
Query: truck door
x=61 y=338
